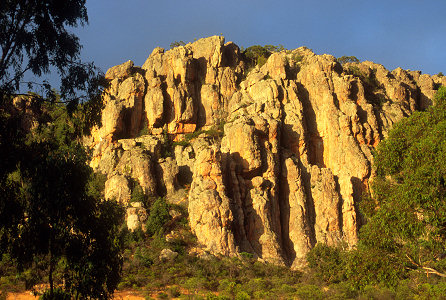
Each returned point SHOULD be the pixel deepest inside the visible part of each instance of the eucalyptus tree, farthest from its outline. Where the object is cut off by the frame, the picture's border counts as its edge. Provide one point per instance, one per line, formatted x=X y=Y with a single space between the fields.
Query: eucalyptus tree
x=51 y=208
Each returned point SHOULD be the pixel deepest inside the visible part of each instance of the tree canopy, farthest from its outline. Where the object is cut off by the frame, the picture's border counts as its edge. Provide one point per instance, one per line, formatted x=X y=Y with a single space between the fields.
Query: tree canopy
x=35 y=37
x=407 y=210
x=52 y=211
x=52 y=214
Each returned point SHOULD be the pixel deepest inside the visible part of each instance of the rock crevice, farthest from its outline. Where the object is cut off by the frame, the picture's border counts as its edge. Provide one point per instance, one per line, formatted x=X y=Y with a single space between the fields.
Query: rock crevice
x=269 y=160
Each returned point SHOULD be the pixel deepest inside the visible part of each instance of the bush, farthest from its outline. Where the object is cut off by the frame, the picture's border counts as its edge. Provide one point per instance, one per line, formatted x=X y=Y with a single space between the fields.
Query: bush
x=258 y=55
x=309 y=292
x=343 y=290
x=195 y=283
x=162 y=295
x=177 y=44
x=166 y=145
x=369 y=266
x=297 y=57
x=347 y=59
x=58 y=294
x=144 y=128
x=242 y=296
x=137 y=194
x=158 y=217
x=174 y=292
x=440 y=95
x=327 y=263
x=211 y=296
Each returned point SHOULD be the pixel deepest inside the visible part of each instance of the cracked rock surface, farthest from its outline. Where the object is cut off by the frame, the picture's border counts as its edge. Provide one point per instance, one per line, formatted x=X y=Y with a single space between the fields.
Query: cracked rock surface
x=269 y=160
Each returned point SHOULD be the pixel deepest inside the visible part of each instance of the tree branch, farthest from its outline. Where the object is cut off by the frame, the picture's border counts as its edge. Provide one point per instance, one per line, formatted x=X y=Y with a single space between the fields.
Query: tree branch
x=427 y=269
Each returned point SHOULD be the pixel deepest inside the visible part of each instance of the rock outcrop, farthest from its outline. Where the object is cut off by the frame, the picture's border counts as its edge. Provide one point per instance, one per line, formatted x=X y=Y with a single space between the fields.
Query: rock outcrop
x=269 y=160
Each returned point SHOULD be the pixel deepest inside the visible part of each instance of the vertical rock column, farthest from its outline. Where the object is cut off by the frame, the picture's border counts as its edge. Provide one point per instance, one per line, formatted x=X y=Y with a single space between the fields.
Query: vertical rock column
x=209 y=212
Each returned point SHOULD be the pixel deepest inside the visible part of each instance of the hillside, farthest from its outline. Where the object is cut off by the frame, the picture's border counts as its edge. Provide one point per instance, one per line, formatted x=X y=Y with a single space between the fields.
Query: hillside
x=269 y=159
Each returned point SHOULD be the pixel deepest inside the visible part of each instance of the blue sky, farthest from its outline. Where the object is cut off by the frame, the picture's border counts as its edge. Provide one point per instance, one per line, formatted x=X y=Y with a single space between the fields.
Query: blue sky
x=410 y=34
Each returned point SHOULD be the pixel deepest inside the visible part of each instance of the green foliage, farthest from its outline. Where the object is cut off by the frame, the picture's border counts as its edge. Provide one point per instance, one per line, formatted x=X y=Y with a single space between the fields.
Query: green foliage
x=35 y=36
x=407 y=210
x=368 y=266
x=158 y=217
x=256 y=52
x=95 y=186
x=352 y=271
x=162 y=296
x=310 y=292
x=211 y=296
x=327 y=262
x=296 y=57
x=347 y=59
x=57 y=215
x=167 y=149
x=273 y=48
x=355 y=71
x=440 y=96
x=144 y=128
x=371 y=84
x=137 y=194
x=404 y=237
x=258 y=55
x=174 y=292
x=440 y=74
x=241 y=295
x=58 y=294
x=177 y=44
x=245 y=278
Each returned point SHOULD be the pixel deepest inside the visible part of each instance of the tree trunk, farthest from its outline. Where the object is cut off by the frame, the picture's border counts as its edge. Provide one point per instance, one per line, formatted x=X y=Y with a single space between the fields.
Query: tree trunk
x=51 y=270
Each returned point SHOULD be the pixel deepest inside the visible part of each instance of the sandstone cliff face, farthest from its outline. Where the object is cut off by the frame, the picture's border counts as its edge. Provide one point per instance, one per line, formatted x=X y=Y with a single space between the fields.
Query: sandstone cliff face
x=285 y=149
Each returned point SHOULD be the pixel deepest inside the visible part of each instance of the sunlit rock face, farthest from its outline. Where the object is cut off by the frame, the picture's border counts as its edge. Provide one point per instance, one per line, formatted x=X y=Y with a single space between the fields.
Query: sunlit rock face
x=269 y=160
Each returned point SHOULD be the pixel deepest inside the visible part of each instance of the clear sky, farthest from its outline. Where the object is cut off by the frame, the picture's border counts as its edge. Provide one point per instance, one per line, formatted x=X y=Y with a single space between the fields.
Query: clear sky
x=410 y=34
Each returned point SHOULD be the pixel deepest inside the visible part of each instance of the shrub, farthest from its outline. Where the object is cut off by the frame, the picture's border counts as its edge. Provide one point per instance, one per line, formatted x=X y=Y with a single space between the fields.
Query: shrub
x=158 y=217
x=177 y=44
x=242 y=296
x=142 y=257
x=343 y=290
x=327 y=263
x=195 y=283
x=58 y=294
x=440 y=95
x=258 y=55
x=309 y=292
x=347 y=59
x=211 y=296
x=297 y=57
x=228 y=286
x=355 y=71
x=174 y=292
x=370 y=266
x=166 y=145
x=162 y=295
x=137 y=194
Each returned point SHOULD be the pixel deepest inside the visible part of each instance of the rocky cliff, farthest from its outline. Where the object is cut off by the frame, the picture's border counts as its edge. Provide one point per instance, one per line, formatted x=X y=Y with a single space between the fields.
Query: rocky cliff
x=269 y=159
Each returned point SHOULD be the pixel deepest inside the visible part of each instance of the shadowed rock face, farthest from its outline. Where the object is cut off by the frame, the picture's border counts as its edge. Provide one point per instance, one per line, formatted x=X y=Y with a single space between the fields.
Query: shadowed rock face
x=294 y=157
